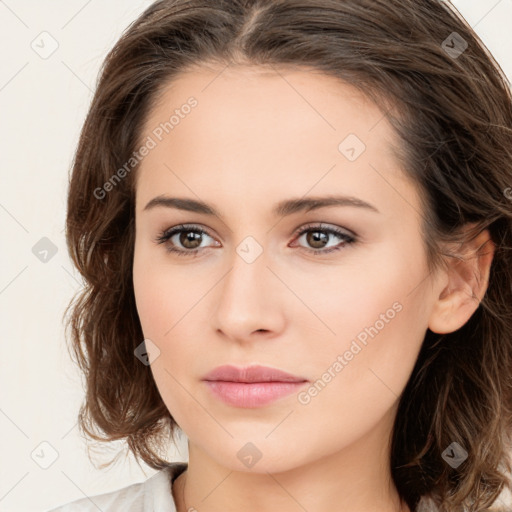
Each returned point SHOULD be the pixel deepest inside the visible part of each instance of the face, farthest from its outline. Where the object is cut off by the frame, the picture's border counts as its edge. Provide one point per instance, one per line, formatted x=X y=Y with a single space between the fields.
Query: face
x=336 y=294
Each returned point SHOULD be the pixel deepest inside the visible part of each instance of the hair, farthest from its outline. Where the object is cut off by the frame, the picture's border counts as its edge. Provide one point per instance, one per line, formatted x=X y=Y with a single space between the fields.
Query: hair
x=453 y=116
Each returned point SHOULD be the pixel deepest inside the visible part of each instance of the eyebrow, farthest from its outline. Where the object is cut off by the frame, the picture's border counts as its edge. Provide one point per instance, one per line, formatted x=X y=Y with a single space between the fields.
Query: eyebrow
x=281 y=209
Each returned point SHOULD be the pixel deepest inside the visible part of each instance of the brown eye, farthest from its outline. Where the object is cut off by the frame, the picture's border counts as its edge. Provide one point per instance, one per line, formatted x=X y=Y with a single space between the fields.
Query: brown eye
x=318 y=238
x=190 y=239
x=184 y=240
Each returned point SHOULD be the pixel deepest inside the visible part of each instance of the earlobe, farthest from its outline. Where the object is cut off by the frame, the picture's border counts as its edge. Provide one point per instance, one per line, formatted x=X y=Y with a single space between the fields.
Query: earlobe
x=464 y=285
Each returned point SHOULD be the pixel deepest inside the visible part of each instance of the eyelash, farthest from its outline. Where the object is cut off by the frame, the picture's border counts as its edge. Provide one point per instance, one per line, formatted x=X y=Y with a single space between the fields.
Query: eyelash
x=167 y=234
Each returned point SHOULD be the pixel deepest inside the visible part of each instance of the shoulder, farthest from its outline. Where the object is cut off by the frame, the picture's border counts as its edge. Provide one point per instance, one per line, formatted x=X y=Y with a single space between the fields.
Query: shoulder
x=153 y=494
x=427 y=504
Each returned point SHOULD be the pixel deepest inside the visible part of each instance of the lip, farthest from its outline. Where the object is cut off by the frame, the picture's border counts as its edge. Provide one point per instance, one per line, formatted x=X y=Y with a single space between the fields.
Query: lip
x=254 y=373
x=252 y=386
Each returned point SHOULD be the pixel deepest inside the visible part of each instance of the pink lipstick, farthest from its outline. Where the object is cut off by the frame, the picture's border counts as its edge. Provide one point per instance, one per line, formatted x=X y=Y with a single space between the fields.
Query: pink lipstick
x=252 y=386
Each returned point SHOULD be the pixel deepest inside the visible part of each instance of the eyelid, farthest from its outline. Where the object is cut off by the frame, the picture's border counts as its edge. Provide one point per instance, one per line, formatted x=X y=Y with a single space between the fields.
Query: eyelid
x=322 y=226
x=348 y=237
x=167 y=233
x=299 y=231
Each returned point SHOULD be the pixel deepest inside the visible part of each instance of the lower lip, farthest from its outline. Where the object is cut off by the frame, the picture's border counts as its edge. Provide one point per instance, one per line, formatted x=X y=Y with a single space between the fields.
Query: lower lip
x=255 y=394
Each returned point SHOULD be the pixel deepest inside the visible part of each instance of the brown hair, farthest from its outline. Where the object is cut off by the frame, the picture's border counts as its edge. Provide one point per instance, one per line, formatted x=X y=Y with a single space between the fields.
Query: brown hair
x=455 y=128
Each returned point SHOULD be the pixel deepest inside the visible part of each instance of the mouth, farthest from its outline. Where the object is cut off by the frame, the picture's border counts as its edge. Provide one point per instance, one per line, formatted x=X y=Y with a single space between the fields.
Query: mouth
x=252 y=386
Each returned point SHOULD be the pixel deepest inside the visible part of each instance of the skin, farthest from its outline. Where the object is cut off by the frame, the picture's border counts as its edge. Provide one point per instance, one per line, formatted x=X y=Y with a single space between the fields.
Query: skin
x=258 y=137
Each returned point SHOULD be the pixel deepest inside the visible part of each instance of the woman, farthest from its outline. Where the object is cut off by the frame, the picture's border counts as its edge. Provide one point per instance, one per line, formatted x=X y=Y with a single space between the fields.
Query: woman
x=294 y=219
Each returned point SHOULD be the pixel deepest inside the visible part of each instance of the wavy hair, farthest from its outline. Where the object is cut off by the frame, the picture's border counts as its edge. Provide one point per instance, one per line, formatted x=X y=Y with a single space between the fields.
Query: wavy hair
x=454 y=121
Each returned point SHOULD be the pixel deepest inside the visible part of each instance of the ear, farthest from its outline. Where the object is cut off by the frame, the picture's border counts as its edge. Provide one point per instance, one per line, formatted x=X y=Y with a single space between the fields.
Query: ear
x=463 y=284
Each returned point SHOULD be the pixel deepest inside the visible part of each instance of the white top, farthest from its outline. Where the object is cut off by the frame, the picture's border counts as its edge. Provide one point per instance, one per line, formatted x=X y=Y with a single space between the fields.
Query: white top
x=155 y=495
x=152 y=495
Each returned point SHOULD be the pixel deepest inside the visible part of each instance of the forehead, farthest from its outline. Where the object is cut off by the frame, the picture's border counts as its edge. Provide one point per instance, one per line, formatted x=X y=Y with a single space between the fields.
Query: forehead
x=241 y=101
x=260 y=130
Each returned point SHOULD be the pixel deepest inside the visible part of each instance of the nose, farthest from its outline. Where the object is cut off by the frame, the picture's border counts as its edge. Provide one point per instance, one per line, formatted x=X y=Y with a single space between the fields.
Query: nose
x=249 y=301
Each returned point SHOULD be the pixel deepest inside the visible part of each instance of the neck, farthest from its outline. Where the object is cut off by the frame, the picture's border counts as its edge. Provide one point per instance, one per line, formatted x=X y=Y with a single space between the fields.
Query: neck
x=356 y=478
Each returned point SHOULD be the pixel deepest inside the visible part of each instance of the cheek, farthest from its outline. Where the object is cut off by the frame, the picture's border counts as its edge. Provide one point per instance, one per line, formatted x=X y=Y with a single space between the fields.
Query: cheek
x=162 y=300
x=361 y=292
x=163 y=293
x=376 y=320
x=151 y=303
x=154 y=298
x=170 y=301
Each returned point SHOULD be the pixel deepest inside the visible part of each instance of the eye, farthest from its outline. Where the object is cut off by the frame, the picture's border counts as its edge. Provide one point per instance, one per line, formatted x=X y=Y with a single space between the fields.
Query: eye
x=183 y=240
x=186 y=239
x=317 y=236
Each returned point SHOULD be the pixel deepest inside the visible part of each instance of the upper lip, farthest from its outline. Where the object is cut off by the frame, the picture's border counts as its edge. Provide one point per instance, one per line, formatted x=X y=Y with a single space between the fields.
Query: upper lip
x=254 y=373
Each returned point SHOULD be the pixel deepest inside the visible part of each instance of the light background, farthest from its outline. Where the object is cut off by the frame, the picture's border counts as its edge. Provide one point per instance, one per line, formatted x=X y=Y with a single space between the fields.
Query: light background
x=43 y=103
